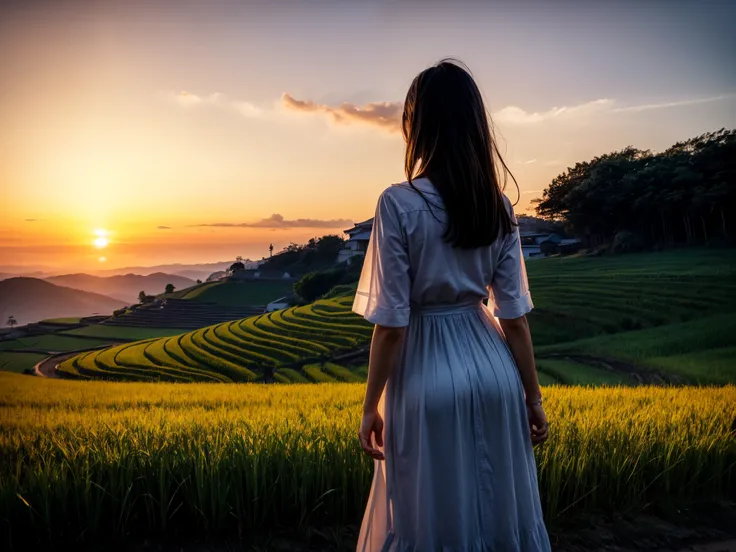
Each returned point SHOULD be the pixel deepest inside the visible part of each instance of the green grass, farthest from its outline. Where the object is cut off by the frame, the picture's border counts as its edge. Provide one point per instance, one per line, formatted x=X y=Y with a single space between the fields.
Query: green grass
x=62 y=321
x=573 y=373
x=700 y=350
x=122 y=332
x=315 y=374
x=243 y=293
x=19 y=362
x=545 y=379
x=57 y=342
x=340 y=373
x=89 y=463
x=292 y=375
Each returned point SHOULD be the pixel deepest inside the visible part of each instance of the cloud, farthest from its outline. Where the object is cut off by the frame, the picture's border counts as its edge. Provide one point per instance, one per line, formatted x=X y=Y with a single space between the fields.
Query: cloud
x=33 y=220
x=189 y=100
x=163 y=227
x=517 y=116
x=530 y=192
x=681 y=103
x=387 y=115
x=247 y=109
x=530 y=162
x=384 y=115
x=278 y=221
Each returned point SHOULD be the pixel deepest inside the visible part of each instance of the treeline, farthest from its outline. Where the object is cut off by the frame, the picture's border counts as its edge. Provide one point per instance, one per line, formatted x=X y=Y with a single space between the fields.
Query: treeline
x=299 y=259
x=633 y=199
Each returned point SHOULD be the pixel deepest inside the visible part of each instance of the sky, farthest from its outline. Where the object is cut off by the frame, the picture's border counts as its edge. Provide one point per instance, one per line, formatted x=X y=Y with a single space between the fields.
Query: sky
x=198 y=131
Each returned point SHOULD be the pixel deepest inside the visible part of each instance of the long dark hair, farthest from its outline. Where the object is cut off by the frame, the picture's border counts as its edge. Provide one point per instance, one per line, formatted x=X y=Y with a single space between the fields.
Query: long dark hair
x=449 y=140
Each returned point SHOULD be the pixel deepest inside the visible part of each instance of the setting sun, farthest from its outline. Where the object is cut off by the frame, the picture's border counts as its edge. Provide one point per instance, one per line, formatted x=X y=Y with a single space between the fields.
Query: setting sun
x=101 y=241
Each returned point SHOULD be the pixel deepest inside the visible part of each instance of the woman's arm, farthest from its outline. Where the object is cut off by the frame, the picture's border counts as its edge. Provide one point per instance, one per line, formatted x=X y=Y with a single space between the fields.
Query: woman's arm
x=519 y=340
x=385 y=348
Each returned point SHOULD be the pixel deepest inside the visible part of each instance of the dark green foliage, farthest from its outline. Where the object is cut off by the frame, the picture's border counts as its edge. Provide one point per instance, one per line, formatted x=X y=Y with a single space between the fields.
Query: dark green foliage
x=317 y=254
x=317 y=284
x=635 y=198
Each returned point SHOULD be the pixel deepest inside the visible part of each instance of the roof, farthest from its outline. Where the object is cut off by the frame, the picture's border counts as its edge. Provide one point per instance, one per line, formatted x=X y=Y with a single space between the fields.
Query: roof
x=366 y=224
x=283 y=299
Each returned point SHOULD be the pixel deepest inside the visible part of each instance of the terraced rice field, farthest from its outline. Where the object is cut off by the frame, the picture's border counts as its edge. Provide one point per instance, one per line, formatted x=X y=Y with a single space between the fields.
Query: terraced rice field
x=659 y=313
x=286 y=343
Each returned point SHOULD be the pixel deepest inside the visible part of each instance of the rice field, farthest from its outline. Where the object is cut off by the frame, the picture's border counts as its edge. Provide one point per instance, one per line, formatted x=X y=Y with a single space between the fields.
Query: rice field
x=89 y=461
x=672 y=312
x=299 y=340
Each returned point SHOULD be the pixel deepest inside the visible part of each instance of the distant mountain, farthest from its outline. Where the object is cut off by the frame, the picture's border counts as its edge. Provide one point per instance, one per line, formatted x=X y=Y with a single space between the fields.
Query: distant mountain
x=31 y=300
x=125 y=287
x=192 y=271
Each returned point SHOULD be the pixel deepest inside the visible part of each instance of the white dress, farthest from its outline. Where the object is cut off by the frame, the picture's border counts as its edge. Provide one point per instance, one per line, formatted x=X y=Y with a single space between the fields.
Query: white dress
x=459 y=473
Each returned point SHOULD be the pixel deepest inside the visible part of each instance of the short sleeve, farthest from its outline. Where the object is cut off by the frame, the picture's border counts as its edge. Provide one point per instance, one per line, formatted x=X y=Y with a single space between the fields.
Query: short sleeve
x=385 y=285
x=510 y=287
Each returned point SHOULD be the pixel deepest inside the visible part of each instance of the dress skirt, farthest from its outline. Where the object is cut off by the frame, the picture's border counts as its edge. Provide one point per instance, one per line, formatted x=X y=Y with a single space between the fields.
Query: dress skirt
x=460 y=472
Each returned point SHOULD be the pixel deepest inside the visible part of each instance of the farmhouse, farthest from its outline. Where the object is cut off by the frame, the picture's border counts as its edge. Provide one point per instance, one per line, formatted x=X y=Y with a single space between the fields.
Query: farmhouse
x=357 y=242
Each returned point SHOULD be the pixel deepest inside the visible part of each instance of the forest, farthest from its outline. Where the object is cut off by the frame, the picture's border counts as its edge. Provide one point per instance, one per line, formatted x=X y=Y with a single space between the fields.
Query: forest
x=635 y=199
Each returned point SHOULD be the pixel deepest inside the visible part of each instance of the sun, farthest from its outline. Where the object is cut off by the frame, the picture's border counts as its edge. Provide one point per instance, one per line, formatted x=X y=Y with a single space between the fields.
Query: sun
x=101 y=241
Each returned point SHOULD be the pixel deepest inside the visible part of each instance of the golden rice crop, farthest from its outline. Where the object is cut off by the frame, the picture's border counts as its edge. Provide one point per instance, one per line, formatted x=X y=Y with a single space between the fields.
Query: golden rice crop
x=84 y=460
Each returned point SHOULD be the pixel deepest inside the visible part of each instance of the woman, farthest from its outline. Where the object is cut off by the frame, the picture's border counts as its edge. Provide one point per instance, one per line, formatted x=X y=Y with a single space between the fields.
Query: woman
x=462 y=405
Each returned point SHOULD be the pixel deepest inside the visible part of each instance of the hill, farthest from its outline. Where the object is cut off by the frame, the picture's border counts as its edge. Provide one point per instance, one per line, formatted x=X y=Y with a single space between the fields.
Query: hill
x=123 y=287
x=240 y=293
x=598 y=320
x=191 y=271
x=31 y=300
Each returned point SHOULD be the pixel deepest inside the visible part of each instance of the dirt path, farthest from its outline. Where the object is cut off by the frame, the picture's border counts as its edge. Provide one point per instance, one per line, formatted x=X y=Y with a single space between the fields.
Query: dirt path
x=640 y=375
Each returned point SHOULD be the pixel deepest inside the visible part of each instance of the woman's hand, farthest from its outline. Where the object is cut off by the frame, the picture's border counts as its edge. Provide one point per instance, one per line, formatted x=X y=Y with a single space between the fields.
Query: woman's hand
x=538 y=425
x=371 y=424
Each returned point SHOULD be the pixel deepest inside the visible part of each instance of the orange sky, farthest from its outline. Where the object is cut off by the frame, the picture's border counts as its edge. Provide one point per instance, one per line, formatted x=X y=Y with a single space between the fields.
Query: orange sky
x=182 y=132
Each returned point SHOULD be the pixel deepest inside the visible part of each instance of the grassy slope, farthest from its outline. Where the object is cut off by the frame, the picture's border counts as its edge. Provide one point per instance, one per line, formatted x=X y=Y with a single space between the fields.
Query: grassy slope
x=122 y=332
x=671 y=311
x=51 y=342
x=241 y=294
x=18 y=362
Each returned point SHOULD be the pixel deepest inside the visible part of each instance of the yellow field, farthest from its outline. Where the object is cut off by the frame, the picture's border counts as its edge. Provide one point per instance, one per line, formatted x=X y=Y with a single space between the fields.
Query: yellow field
x=95 y=459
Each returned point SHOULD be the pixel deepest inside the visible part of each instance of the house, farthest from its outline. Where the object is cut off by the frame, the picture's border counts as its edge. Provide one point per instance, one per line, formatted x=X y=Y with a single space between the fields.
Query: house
x=564 y=246
x=531 y=243
x=357 y=242
x=278 y=304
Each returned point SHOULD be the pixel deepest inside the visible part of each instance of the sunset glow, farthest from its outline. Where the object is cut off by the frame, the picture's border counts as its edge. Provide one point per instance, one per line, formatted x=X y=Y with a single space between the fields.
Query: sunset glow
x=177 y=143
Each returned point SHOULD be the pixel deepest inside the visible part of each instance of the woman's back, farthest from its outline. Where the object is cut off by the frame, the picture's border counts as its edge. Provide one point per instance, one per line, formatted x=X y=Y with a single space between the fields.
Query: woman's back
x=411 y=222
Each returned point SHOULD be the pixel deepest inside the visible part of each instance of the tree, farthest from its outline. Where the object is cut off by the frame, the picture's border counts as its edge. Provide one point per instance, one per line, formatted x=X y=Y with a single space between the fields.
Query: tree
x=170 y=288
x=199 y=281
x=634 y=198
x=237 y=267
x=142 y=297
x=270 y=250
x=12 y=322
